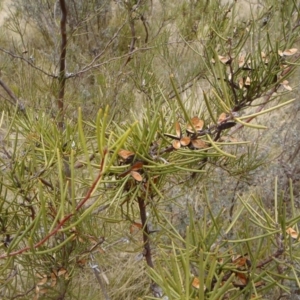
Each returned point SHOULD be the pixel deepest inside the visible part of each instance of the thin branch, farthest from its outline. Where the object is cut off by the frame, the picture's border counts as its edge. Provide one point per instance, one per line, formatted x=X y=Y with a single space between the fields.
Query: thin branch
x=267 y=97
x=132 y=19
x=29 y=62
x=108 y=61
x=91 y=65
x=133 y=40
x=147 y=249
x=278 y=253
x=144 y=21
x=260 y=108
x=293 y=156
x=186 y=85
x=5 y=99
x=24 y=294
x=40 y=243
x=62 y=63
x=83 y=70
x=97 y=271
x=97 y=57
x=13 y=98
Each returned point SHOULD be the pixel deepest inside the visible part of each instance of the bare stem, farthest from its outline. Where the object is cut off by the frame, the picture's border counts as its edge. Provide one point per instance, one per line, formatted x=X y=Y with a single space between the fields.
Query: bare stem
x=147 y=253
x=13 y=98
x=62 y=63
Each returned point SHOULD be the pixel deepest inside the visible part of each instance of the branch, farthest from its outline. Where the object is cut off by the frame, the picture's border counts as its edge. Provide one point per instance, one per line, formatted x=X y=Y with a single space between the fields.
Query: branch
x=85 y=69
x=97 y=272
x=29 y=62
x=144 y=21
x=286 y=72
x=279 y=252
x=46 y=238
x=147 y=249
x=131 y=13
x=186 y=85
x=133 y=40
x=260 y=108
x=62 y=63
x=128 y=55
x=13 y=98
x=24 y=294
x=91 y=64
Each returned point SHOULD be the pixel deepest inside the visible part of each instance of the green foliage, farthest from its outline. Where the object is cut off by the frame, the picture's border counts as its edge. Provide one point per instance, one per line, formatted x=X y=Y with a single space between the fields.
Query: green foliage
x=88 y=194
x=232 y=260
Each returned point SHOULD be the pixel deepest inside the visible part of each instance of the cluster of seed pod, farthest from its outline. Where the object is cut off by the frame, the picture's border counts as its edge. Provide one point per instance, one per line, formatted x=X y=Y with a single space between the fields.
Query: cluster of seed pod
x=245 y=64
x=193 y=130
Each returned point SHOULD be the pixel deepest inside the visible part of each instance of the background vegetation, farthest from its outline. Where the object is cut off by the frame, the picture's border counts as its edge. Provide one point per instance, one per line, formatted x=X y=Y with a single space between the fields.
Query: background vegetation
x=149 y=150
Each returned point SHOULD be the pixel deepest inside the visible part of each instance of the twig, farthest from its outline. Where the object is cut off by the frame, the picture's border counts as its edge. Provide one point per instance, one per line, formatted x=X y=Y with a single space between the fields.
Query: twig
x=107 y=62
x=292 y=157
x=29 y=62
x=97 y=57
x=186 y=86
x=279 y=252
x=131 y=11
x=287 y=71
x=260 y=108
x=97 y=271
x=83 y=70
x=147 y=248
x=91 y=65
x=133 y=40
x=14 y=100
x=144 y=21
x=270 y=258
x=24 y=294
